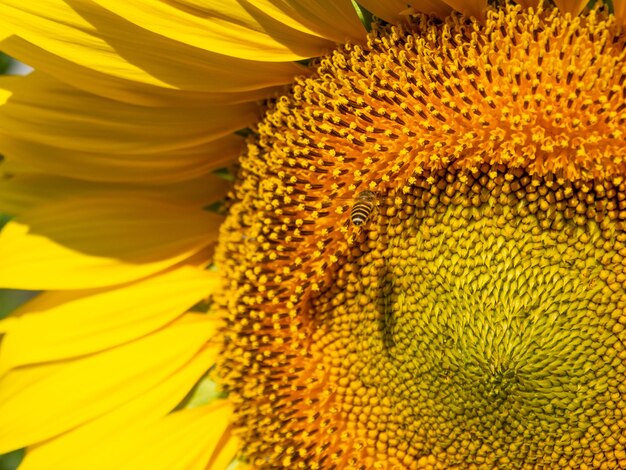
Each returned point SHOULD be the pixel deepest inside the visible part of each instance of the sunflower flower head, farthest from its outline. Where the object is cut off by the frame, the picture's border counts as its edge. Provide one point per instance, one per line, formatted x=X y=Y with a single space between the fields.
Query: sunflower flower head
x=476 y=316
x=421 y=262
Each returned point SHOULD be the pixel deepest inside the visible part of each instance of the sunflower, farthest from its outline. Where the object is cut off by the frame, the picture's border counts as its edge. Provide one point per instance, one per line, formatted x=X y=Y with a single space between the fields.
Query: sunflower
x=314 y=234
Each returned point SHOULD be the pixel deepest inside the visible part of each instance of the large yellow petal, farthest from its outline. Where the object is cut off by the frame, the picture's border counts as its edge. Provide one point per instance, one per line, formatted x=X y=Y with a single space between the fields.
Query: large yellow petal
x=4 y=95
x=394 y=10
x=76 y=30
x=56 y=27
x=157 y=167
x=335 y=20
x=571 y=6
x=619 y=6
x=25 y=191
x=187 y=439
x=134 y=415
x=99 y=240
x=67 y=324
x=49 y=112
x=226 y=451
x=123 y=89
x=231 y=27
x=93 y=38
x=34 y=407
x=475 y=8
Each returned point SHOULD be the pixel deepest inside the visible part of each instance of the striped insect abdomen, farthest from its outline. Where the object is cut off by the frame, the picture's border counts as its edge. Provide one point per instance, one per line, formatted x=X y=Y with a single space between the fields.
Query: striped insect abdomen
x=363 y=206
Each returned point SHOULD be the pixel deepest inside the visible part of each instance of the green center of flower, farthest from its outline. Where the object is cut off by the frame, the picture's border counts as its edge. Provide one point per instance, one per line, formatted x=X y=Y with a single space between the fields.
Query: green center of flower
x=486 y=332
x=424 y=261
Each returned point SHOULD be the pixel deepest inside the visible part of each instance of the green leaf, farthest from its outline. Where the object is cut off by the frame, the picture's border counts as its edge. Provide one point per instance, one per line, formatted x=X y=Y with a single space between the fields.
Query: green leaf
x=365 y=16
x=5 y=62
x=11 y=460
x=10 y=299
x=205 y=391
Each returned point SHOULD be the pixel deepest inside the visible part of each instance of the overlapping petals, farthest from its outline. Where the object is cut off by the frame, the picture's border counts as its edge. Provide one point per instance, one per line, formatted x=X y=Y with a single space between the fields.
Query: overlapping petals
x=189 y=437
x=54 y=114
x=266 y=31
x=199 y=438
x=94 y=49
x=470 y=8
x=571 y=6
x=395 y=11
x=27 y=191
x=60 y=325
x=333 y=20
x=159 y=167
x=79 y=391
x=58 y=129
x=100 y=240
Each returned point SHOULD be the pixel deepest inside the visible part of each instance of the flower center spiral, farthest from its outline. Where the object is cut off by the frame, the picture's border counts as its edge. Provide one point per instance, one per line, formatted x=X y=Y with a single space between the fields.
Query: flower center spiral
x=475 y=314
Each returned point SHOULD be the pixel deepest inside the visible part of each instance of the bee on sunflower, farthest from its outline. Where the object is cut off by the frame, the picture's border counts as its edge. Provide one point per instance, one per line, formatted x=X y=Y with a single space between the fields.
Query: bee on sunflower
x=472 y=318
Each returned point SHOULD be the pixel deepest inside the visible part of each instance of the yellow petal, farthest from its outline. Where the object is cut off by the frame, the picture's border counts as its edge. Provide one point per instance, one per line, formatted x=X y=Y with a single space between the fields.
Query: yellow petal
x=125 y=90
x=529 y=3
x=228 y=27
x=128 y=90
x=394 y=11
x=226 y=451
x=63 y=325
x=336 y=20
x=147 y=408
x=475 y=8
x=89 y=37
x=23 y=192
x=571 y=6
x=74 y=392
x=199 y=438
x=619 y=7
x=49 y=112
x=186 y=439
x=240 y=465
x=158 y=167
x=100 y=240
x=6 y=94
x=56 y=27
